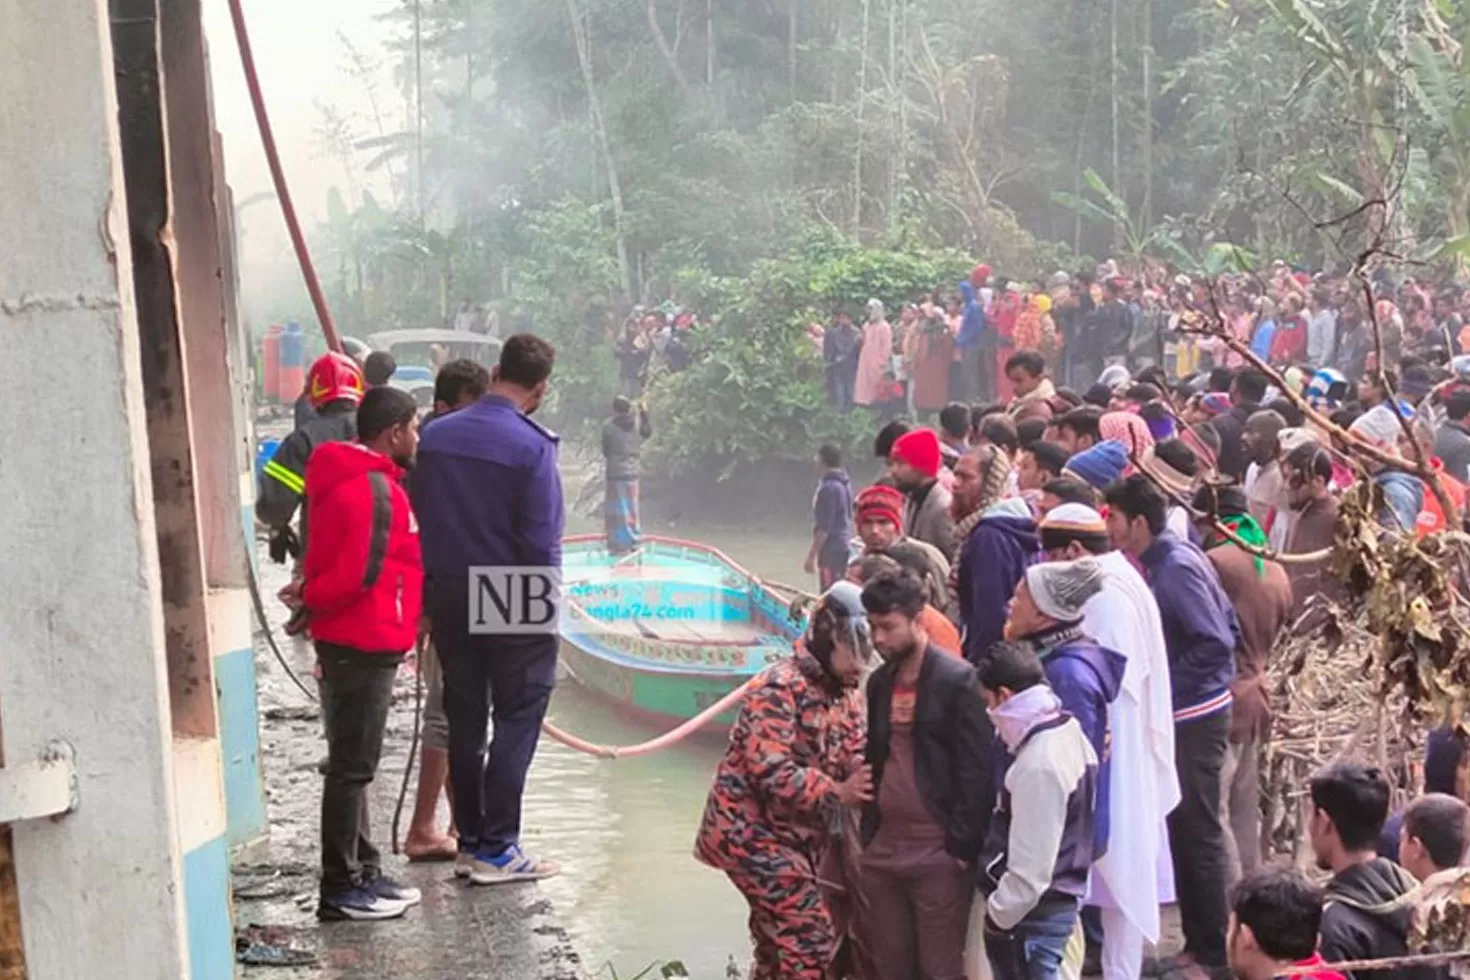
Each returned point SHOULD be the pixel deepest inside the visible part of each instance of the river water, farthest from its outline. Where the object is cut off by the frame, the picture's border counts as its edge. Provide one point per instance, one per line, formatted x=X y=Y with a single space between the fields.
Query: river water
x=632 y=893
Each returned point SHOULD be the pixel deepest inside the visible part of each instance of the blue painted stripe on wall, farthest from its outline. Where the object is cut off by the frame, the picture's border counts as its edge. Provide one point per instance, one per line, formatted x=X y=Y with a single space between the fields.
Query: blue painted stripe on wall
x=239 y=737
x=207 y=909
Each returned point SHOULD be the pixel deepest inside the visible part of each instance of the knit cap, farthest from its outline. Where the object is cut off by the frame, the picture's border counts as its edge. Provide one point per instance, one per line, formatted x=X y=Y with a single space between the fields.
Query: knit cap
x=920 y=449
x=1099 y=466
x=1061 y=588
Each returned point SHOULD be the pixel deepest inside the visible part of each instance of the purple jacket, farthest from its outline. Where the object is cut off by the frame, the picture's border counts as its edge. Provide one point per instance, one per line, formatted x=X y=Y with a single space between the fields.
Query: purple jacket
x=992 y=561
x=1200 y=629
x=1087 y=678
x=486 y=491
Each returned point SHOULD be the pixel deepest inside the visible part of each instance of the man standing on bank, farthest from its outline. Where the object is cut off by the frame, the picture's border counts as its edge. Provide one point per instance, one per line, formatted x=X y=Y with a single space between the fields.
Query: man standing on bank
x=488 y=494
x=361 y=587
x=929 y=746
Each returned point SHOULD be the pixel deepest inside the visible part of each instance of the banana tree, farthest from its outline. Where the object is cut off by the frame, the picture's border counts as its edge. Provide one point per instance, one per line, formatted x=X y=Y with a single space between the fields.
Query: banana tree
x=1136 y=239
x=1350 y=50
x=1440 y=84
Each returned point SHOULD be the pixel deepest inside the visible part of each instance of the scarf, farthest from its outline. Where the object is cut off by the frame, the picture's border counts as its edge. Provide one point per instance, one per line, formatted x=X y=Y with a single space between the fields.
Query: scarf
x=1245 y=528
x=1047 y=641
x=1045 y=391
x=1023 y=712
x=997 y=467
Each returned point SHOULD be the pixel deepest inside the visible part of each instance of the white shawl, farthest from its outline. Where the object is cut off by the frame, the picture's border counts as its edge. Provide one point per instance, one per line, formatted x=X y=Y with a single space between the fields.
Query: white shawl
x=1124 y=617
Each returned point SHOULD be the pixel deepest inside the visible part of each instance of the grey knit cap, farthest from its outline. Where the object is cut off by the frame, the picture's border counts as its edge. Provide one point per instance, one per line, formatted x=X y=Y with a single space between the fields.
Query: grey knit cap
x=1061 y=588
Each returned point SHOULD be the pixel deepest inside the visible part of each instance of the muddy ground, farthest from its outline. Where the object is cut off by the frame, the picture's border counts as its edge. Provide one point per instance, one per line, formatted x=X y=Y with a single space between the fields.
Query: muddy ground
x=459 y=933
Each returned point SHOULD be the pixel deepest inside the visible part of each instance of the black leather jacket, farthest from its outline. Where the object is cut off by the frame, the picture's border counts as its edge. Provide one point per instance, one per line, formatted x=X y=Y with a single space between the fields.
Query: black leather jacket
x=952 y=749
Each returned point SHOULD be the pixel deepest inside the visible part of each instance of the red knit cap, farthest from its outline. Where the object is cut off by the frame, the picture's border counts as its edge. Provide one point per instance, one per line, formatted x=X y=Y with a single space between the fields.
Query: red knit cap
x=920 y=449
x=980 y=276
x=881 y=502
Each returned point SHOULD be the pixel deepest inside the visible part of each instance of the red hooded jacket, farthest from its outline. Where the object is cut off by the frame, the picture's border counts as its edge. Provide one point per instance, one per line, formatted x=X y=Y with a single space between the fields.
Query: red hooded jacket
x=363 y=572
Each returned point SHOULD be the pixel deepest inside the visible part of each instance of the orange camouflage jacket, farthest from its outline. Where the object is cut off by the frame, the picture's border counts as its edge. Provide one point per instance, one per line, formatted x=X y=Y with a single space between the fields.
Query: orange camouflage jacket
x=797 y=736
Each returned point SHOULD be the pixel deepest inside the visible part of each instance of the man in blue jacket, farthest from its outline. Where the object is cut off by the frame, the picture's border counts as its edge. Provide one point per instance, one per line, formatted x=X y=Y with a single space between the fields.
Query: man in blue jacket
x=972 y=345
x=996 y=539
x=487 y=494
x=1200 y=635
x=1047 y=616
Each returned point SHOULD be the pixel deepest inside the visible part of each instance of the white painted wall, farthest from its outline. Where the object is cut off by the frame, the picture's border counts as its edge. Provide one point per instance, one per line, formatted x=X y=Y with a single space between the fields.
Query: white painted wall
x=81 y=642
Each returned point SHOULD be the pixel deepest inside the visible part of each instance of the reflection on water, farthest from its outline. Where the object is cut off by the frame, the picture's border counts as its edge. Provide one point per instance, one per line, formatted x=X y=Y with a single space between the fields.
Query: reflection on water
x=631 y=890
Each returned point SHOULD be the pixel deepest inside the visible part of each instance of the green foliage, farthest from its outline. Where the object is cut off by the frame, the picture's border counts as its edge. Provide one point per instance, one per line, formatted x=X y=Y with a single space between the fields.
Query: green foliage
x=566 y=280
x=856 y=141
x=756 y=388
x=1138 y=241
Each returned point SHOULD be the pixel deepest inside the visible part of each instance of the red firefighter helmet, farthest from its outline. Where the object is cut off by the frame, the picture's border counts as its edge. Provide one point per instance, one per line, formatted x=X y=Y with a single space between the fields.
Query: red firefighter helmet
x=332 y=376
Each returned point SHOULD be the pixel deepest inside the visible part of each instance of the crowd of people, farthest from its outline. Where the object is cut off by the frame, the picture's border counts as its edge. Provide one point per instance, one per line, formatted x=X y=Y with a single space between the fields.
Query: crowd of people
x=1073 y=599
x=958 y=347
x=382 y=566
x=652 y=340
x=1030 y=704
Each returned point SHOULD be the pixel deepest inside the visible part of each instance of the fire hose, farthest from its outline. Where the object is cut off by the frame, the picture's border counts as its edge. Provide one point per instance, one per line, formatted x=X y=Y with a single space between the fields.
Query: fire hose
x=329 y=331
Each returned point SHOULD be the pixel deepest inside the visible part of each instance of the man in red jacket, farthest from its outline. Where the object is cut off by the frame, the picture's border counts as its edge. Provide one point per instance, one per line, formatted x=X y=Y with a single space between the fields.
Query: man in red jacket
x=363 y=587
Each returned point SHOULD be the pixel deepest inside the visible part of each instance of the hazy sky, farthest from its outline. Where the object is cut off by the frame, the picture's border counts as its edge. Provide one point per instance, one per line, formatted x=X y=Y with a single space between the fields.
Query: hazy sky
x=302 y=63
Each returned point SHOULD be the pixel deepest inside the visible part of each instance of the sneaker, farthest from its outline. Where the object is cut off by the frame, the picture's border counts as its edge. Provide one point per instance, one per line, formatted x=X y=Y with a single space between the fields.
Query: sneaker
x=513 y=864
x=358 y=905
x=393 y=891
x=464 y=863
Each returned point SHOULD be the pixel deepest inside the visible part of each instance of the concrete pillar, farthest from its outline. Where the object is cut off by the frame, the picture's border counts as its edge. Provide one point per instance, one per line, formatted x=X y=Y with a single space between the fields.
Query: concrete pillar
x=216 y=419
x=101 y=889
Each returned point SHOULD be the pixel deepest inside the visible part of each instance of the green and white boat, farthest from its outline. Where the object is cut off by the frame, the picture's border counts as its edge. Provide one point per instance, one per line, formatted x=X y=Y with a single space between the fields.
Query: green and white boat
x=669 y=629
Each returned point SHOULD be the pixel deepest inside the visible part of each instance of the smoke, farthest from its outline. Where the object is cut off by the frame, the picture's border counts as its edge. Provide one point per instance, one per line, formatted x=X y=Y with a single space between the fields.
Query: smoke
x=304 y=67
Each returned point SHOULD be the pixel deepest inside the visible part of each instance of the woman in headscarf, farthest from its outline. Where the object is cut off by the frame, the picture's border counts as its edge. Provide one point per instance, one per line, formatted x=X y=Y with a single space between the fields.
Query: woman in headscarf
x=794 y=760
x=1035 y=329
x=906 y=344
x=875 y=362
x=1129 y=429
x=1005 y=312
x=932 y=354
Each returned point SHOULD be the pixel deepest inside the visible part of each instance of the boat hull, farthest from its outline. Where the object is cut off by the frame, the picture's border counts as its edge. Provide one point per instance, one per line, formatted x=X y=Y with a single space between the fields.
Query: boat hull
x=661 y=697
x=670 y=630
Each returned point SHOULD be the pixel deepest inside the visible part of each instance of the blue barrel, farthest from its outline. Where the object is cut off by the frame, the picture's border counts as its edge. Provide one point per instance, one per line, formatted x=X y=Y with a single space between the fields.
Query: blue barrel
x=263 y=454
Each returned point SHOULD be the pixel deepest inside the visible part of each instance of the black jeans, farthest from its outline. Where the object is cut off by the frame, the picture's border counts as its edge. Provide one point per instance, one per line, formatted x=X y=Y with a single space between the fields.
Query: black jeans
x=509 y=679
x=1197 y=835
x=357 y=690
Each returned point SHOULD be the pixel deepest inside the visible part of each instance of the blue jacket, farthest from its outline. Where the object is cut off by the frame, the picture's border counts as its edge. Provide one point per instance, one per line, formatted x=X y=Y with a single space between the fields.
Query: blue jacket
x=1087 y=678
x=832 y=513
x=992 y=561
x=1404 y=496
x=1200 y=630
x=487 y=492
x=972 y=326
x=1262 y=338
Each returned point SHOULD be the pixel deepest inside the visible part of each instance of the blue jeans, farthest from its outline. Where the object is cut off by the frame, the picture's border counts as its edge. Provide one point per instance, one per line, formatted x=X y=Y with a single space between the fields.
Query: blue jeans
x=1033 y=949
x=507 y=678
x=842 y=385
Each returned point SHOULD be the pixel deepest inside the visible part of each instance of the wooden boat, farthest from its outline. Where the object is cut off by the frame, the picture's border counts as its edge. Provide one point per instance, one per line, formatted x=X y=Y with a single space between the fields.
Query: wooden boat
x=667 y=630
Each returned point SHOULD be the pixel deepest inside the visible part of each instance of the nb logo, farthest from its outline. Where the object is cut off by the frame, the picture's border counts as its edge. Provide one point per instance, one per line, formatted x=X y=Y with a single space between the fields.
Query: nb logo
x=523 y=600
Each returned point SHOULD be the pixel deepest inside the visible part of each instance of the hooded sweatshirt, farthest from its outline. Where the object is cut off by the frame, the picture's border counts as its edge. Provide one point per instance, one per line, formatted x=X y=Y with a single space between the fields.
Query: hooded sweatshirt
x=1363 y=919
x=1087 y=678
x=992 y=561
x=832 y=513
x=1039 y=845
x=363 y=572
x=972 y=326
